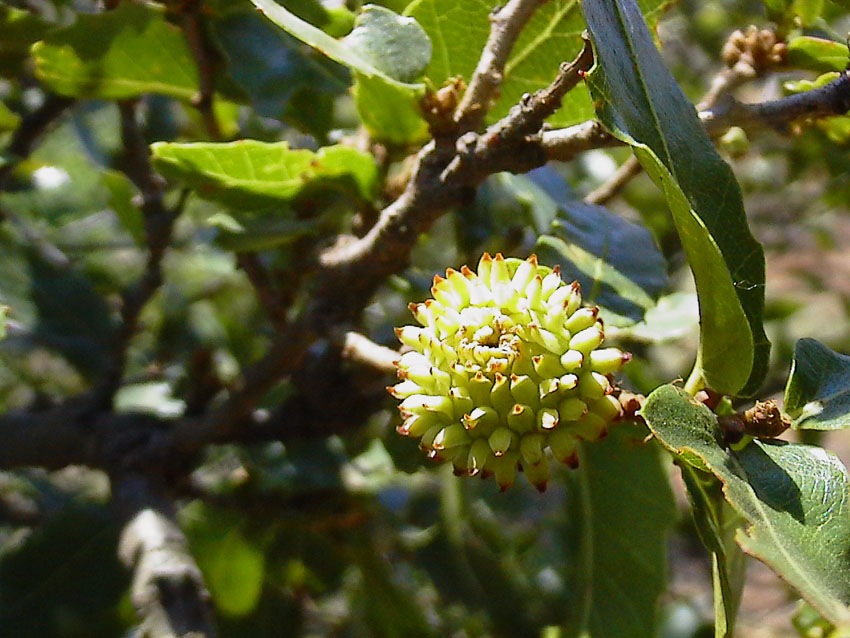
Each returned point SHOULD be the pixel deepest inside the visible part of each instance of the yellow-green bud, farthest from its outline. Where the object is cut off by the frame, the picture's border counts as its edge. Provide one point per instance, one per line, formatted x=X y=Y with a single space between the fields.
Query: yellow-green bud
x=505 y=368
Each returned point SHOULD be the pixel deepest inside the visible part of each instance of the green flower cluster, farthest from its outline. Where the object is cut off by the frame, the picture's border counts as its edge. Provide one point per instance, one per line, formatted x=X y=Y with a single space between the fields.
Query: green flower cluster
x=507 y=363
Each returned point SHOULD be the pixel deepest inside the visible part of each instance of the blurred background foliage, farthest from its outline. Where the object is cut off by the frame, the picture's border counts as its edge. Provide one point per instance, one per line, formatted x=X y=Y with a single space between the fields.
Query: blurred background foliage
x=354 y=534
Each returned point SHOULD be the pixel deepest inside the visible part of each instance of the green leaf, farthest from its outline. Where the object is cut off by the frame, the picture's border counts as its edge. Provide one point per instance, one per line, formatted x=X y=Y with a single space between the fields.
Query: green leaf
x=18 y=31
x=121 y=194
x=616 y=261
x=673 y=317
x=817 y=54
x=118 y=54
x=459 y=30
x=717 y=522
x=627 y=512
x=387 y=112
x=233 y=566
x=395 y=45
x=9 y=120
x=3 y=311
x=249 y=174
x=808 y=10
x=818 y=392
x=261 y=230
x=795 y=498
x=336 y=50
x=640 y=102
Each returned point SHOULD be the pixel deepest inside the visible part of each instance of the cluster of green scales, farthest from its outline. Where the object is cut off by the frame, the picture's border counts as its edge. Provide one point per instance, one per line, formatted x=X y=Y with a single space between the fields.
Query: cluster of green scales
x=506 y=365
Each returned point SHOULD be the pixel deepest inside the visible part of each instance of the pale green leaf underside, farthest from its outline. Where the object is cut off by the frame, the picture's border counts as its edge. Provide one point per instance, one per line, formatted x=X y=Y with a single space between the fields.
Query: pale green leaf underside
x=249 y=174
x=335 y=49
x=119 y=54
x=795 y=498
x=640 y=102
x=818 y=392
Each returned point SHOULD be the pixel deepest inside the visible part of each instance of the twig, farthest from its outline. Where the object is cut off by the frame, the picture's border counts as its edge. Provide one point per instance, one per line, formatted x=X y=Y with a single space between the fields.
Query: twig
x=158 y=221
x=507 y=144
x=507 y=23
x=353 y=269
x=362 y=350
x=207 y=58
x=268 y=296
x=564 y=144
x=30 y=130
x=47 y=251
x=824 y=101
x=629 y=169
x=168 y=590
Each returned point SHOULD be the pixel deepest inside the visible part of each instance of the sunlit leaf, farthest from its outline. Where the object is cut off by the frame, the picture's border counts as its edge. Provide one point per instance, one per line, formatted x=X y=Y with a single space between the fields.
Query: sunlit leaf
x=640 y=102
x=795 y=498
x=249 y=174
x=118 y=54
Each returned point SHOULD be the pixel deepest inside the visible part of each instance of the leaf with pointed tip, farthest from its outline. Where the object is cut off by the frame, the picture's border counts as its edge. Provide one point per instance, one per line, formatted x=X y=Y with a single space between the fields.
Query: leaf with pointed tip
x=817 y=395
x=640 y=102
x=795 y=498
x=250 y=175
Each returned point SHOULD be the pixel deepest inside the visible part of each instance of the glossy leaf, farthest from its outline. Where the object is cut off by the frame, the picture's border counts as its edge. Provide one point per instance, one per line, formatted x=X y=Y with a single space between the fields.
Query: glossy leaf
x=459 y=30
x=249 y=174
x=795 y=498
x=627 y=512
x=818 y=392
x=817 y=54
x=336 y=50
x=616 y=261
x=118 y=54
x=640 y=102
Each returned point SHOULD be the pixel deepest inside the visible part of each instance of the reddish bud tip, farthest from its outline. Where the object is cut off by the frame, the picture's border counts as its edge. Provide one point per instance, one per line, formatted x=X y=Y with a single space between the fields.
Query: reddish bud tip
x=572 y=461
x=532 y=259
x=466 y=272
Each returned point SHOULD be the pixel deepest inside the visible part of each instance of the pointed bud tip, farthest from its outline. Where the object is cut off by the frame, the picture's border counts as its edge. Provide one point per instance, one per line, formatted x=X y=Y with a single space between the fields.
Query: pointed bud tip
x=486 y=257
x=572 y=461
x=499 y=257
x=532 y=259
x=466 y=272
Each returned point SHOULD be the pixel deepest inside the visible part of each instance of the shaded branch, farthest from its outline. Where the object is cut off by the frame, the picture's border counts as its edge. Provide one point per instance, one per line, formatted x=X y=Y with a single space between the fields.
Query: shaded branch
x=167 y=590
x=830 y=99
x=506 y=23
x=158 y=223
x=208 y=59
x=627 y=171
x=31 y=128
